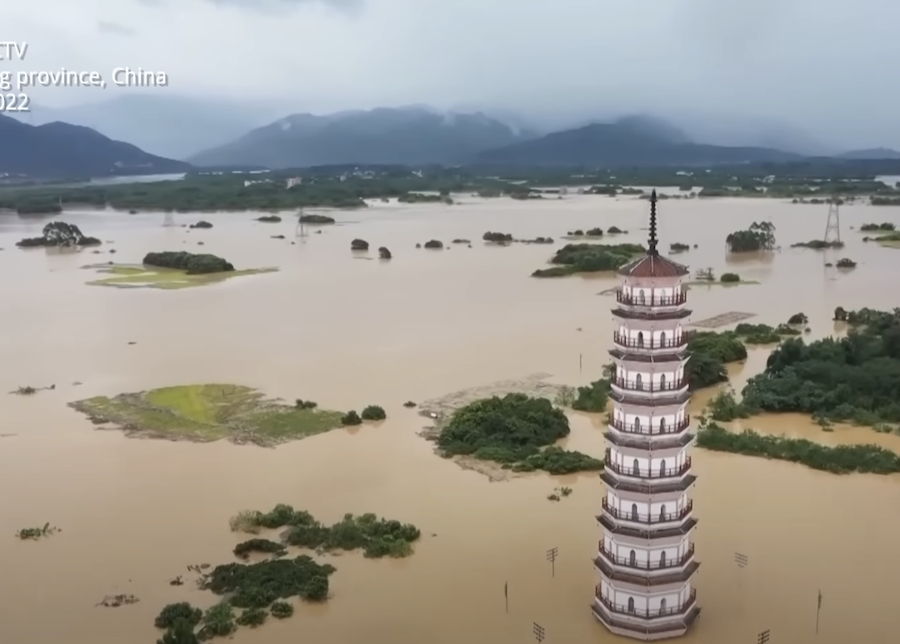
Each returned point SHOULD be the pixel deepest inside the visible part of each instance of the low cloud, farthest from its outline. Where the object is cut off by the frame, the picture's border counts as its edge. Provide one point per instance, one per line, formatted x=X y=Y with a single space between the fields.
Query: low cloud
x=281 y=5
x=106 y=27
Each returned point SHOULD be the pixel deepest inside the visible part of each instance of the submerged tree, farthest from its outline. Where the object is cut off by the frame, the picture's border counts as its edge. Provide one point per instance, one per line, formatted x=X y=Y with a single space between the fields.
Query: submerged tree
x=759 y=236
x=60 y=234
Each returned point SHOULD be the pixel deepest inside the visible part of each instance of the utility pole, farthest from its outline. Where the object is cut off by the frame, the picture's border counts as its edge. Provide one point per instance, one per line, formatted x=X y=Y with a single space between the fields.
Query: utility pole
x=763 y=638
x=818 y=608
x=551 y=557
x=539 y=632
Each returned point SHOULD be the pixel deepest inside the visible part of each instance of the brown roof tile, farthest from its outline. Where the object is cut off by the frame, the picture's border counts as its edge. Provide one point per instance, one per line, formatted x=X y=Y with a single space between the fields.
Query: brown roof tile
x=653 y=266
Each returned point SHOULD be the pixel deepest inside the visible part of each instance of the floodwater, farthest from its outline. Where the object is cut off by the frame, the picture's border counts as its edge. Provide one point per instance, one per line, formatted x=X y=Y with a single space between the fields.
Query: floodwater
x=349 y=332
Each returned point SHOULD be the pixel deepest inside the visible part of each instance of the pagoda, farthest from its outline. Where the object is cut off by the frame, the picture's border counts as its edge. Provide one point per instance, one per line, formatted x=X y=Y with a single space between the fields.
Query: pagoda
x=645 y=558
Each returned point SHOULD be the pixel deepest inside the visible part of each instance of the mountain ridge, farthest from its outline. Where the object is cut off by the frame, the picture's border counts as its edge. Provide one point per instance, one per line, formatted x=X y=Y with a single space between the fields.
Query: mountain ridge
x=63 y=150
x=405 y=136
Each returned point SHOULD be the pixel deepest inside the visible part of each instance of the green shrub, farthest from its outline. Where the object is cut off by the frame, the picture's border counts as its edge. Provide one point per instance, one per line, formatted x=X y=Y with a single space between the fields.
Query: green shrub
x=281 y=610
x=730 y=278
x=253 y=617
x=191 y=263
x=218 y=621
x=512 y=430
x=842 y=459
x=178 y=611
x=725 y=407
x=351 y=418
x=373 y=412
x=182 y=632
x=710 y=352
x=243 y=549
x=592 y=398
x=847 y=379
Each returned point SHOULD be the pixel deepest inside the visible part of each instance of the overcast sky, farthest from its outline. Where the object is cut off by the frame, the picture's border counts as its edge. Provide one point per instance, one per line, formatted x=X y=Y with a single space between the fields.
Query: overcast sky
x=820 y=64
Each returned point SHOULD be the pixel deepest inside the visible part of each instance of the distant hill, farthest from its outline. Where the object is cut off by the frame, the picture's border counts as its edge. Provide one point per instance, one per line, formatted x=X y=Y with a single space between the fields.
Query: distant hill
x=63 y=150
x=403 y=136
x=871 y=153
x=631 y=141
x=171 y=126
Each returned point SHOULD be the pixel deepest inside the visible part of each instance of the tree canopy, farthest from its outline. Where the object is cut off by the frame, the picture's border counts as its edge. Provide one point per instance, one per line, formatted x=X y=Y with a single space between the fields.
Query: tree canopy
x=856 y=378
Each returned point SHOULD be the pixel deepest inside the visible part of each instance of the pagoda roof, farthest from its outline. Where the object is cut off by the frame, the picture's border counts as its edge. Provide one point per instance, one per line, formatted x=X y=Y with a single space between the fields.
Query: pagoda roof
x=653 y=264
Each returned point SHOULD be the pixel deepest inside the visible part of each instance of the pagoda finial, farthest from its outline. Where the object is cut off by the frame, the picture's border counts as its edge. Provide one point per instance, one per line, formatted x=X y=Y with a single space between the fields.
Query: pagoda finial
x=651 y=247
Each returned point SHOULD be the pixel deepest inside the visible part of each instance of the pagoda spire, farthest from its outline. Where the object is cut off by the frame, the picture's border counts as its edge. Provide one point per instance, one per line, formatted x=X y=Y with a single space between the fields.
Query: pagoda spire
x=651 y=246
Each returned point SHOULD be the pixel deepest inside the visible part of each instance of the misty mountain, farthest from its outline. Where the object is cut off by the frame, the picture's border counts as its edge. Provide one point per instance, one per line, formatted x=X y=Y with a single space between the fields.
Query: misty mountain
x=62 y=150
x=402 y=136
x=871 y=153
x=631 y=141
x=171 y=126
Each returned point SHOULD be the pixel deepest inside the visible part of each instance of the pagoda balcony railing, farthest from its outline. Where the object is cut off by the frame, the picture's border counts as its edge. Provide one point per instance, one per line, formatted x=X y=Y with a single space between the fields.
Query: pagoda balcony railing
x=642 y=473
x=660 y=517
x=630 y=609
x=651 y=300
x=647 y=565
x=650 y=430
x=677 y=342
x=649 y=387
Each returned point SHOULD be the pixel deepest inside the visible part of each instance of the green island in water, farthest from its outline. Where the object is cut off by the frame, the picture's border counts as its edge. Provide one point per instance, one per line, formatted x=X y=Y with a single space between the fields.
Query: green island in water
x=170 y=270
x=209 y=412
x=252 y=592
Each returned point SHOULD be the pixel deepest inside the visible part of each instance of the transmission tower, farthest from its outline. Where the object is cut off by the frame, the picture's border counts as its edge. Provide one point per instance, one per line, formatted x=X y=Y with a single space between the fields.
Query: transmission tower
x=169 y=220
x=833 y=226
x=301 y=231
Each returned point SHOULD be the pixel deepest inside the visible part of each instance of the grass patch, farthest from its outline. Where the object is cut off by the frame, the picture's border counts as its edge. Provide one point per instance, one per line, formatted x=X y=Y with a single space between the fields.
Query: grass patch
x=891 y=240
x=141 y=276
x=207 y=413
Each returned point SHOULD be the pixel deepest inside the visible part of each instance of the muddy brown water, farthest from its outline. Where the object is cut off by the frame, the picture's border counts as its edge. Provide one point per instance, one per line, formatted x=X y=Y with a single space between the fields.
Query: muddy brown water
x=349 y=332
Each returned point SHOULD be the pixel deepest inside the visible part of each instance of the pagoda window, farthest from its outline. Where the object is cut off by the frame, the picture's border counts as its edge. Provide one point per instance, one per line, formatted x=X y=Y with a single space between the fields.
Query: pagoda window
x=662 y=382
x=634 y=512
x=637 y=424
x=662 y=425
x=631 y=599
x=632 y=561
x=640 y=338
x=662 y=517
x=662 y=339
x=662 y=467
x=636 y=468
x=662 y=602
x=638 y=381
x=641 y=297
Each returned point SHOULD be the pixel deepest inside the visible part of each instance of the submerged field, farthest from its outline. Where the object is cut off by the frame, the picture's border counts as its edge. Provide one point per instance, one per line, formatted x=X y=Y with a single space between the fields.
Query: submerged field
x=142 y=276
x=134 y=514
x=208 y=413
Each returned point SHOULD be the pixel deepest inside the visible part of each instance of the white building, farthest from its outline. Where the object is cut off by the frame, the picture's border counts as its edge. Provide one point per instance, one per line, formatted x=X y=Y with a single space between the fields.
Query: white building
x=645 y=558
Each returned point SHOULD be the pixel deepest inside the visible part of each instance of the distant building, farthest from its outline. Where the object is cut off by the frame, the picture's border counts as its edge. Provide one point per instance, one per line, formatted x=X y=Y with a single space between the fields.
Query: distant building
x=253 y=182
x=293 y=181
x=646 y=557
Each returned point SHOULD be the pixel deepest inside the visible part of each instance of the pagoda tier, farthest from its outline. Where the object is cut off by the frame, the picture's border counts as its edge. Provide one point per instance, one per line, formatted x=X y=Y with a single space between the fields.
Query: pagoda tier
x=645 y=559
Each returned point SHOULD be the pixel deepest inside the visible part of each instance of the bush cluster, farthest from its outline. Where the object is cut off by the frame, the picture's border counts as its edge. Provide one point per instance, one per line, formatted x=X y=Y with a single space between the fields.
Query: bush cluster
x=856 y=378
x=191 y=263
x=841 y=459
x=589 y=258
x=516 y=430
